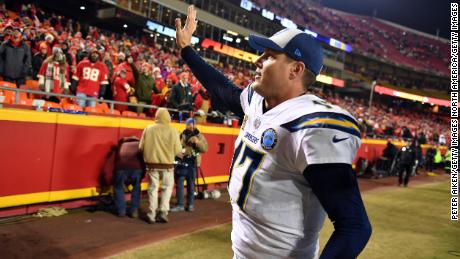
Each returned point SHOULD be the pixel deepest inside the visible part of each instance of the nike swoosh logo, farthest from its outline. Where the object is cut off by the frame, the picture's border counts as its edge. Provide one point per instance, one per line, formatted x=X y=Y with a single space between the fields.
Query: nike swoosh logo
x=336 y=140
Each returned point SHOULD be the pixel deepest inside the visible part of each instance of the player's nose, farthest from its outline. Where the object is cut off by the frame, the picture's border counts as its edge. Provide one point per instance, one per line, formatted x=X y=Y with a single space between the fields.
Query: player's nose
x=259 y=62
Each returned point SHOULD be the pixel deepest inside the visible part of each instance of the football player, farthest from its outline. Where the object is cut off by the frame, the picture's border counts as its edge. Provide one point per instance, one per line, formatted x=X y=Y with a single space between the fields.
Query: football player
x=292 y=164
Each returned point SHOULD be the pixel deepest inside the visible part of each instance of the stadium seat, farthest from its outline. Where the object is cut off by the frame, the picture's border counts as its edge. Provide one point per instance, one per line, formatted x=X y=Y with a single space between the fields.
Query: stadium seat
x=32 y=84
x=23 y=95
x=142 y=115
x=26 y=101
x=65 y=101
x=104 y=107
x=8 y=84
x=114 y=112
x=94 y=110
x=9 y=96
x=51 y=105
x=129 y=114
x=72 y=107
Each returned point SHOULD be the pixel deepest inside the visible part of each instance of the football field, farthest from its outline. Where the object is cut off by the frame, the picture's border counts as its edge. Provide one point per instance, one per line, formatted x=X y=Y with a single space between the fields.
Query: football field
x=407 y=223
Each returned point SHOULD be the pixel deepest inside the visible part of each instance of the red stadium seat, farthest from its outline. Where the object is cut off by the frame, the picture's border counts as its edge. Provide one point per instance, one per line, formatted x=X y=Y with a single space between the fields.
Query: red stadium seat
x=32 y=84
x=94 y=110
x=104 y=107
x=142 y=115
x=129 y=114
x=72 y=107
x=114 y=112
x=8 y=84
x=9 y=96
x=26 y=101
x=51 y=105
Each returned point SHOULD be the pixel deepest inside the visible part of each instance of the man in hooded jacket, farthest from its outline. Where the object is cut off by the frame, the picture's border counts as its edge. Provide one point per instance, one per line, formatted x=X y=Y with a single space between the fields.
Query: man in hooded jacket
x=160 y=144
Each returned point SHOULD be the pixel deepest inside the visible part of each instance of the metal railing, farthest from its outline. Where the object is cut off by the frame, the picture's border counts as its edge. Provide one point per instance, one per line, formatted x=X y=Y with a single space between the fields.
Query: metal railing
x=110 y=103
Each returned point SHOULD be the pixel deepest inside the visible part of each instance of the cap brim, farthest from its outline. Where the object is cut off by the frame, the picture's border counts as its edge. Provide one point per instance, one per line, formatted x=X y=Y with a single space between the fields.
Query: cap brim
x=261 y=43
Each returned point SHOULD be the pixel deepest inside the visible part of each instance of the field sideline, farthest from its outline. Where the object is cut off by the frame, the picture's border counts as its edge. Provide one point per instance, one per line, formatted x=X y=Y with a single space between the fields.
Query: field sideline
x=407 y=223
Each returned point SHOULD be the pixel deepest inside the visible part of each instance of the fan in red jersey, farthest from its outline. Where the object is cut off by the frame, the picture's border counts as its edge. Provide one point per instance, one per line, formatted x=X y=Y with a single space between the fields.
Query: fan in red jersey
x=92 y=78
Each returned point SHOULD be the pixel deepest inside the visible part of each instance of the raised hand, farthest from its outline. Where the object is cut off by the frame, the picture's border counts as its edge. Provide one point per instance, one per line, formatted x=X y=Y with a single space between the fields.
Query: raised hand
x=184 y=35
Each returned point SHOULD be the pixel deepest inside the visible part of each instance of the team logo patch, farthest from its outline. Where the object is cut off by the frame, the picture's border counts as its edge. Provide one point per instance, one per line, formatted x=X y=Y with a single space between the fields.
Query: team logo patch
x=269 y=139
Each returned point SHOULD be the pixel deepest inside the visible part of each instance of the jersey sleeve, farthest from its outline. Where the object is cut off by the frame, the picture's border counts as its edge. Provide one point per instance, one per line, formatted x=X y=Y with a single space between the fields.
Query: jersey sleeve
x=325 y=137
x=325 y=146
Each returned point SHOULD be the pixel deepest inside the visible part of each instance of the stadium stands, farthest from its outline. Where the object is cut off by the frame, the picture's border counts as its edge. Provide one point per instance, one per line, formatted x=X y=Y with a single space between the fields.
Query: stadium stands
x=366 y=34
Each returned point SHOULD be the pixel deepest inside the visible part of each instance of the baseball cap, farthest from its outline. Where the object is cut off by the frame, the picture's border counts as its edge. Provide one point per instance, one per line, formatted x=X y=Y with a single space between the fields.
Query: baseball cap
x=296 y=44
x=190 y=121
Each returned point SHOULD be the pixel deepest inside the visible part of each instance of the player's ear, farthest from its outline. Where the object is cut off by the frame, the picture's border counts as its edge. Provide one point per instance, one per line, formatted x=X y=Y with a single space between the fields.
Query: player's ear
x=297 y=70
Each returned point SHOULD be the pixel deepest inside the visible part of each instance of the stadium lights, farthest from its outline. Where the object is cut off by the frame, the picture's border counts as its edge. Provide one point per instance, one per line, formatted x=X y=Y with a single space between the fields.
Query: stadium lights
x=82 y=7
x=238 y=40
x=151 y=35
x=125 y=25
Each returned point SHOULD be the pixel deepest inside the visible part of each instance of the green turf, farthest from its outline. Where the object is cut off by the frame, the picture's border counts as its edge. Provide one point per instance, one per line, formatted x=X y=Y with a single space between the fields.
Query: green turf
x=407 y=223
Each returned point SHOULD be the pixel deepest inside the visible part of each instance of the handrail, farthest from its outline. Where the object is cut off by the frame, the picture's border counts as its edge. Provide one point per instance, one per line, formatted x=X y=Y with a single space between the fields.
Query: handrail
x=111 y=103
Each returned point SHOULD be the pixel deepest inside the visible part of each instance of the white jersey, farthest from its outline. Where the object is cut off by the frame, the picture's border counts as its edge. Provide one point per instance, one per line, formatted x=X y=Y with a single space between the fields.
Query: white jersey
x=275 y=213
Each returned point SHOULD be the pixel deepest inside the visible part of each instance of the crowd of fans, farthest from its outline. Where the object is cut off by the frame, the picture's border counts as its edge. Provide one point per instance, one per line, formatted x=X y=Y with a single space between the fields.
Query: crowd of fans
x=99 y=64
x=384 y=121
x=367 y=35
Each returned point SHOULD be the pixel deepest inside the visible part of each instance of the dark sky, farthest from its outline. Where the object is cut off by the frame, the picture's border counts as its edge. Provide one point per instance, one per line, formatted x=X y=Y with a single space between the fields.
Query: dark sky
x=422 y=15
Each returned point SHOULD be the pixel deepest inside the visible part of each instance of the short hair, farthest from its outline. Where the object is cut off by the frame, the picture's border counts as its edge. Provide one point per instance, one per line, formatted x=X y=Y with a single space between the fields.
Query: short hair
x=308 y=78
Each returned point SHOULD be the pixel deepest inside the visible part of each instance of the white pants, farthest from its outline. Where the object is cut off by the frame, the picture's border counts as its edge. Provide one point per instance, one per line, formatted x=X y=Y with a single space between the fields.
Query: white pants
x=167 y=177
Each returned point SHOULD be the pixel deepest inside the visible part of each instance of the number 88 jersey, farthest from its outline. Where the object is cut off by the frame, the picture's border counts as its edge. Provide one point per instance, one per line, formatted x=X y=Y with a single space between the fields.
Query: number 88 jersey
x=90 y=76
x=274 y=208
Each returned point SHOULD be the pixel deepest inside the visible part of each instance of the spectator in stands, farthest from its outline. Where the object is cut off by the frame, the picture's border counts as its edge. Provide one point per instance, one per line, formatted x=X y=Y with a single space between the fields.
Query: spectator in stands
x=92 y=78
x=54 y=75
x=422 y=138
x=6 y=33
x=125 y=63
x=145 y=85
x=160 y=143
x=159 y=81
x=121 y=90
x=442 y=139
x=129 y=169
x=181 y=96
x=194 y=144
x=108 y=62
x=68 y=57
x=38 y=59
x=15 y=59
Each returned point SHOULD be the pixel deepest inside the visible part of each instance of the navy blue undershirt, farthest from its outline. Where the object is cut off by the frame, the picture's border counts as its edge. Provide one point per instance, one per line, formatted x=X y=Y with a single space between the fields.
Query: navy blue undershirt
x=335 y=185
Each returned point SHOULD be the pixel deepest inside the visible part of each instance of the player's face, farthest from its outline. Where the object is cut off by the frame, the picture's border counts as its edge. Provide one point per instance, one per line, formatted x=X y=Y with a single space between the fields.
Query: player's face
x=271 y=74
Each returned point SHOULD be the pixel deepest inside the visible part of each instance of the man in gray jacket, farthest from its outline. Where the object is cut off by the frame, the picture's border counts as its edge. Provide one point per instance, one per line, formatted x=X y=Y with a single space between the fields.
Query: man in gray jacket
x=15 y=59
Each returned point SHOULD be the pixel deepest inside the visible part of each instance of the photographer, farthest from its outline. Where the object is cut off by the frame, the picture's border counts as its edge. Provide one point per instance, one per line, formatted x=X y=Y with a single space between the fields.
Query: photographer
x=193 y=143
